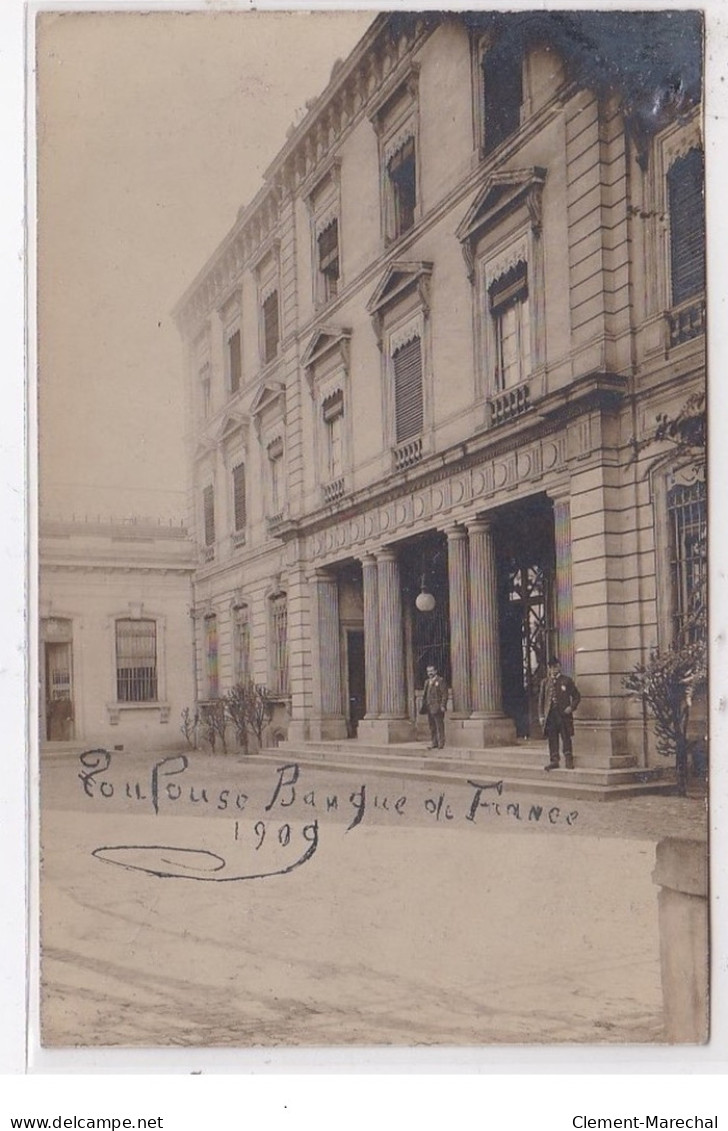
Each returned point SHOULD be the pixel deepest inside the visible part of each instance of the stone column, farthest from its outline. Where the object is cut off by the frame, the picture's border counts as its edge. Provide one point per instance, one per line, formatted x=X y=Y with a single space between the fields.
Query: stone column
x=457 y=573
x=371 y=633
x=328 y=720
x=563 y=586
x=393 y=723
x=487 y=725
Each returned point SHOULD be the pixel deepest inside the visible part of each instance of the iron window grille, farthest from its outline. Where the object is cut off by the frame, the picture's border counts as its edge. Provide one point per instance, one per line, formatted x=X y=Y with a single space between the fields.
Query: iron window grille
x=136 y=661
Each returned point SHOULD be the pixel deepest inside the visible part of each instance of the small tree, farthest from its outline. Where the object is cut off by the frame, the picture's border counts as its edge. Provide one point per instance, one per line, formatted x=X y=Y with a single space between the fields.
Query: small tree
x=190 y=725
x=249 y=709
x=214 y=720
x=666 y=684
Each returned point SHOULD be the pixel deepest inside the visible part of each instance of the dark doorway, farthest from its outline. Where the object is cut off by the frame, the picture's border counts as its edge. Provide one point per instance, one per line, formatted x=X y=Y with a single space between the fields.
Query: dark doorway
x=356 y=681
x=58 y=692
x=525 y=547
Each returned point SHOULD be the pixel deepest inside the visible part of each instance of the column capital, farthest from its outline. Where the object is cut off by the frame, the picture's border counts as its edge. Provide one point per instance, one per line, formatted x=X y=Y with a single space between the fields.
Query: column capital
x=560 y=493
x=479 y=525
x=368 y=559
x=320 y=575
x=455 y=532
x=387 y=554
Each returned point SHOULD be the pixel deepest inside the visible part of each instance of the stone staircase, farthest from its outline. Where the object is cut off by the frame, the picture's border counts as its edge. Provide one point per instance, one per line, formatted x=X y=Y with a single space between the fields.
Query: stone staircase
x=520 y=767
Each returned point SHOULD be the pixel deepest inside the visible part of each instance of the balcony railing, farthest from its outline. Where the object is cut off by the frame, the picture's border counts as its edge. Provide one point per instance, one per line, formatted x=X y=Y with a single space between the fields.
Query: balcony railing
x=208 y=553
x=274 y=521
x=333 y=490
x=685 y=322
x=237 y=538
x=509 y=404
x=408 y=453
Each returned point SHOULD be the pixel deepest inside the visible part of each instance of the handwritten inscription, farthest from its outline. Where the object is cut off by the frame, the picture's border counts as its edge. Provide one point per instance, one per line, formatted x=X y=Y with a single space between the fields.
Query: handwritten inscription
x=285 y=843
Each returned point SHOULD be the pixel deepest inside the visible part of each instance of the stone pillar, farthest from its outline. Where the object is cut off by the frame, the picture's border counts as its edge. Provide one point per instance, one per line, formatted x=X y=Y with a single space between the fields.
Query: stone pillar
x=371 y=633
x=681 y=871
x=487 y=726
x=393 y=723
x=327 y=720
x=457 y=573
x=564 y=593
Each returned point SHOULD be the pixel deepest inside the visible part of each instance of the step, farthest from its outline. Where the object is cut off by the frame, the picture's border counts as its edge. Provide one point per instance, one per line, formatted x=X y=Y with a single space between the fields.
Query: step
x=599 y=783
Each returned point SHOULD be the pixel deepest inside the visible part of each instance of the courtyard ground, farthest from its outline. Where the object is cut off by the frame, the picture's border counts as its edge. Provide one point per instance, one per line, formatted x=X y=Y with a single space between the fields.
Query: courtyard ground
x=219 y=902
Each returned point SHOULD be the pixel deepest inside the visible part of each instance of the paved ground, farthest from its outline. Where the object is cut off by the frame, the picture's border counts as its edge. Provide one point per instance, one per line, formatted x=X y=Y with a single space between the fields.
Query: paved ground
x=220 y=903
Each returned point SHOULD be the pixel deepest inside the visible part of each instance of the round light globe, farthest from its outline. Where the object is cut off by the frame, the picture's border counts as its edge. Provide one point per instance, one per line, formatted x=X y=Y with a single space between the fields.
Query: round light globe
x=425 y=602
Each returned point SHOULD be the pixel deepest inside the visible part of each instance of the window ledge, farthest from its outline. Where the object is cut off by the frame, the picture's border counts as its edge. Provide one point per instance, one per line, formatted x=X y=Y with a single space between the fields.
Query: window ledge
x=115 y=710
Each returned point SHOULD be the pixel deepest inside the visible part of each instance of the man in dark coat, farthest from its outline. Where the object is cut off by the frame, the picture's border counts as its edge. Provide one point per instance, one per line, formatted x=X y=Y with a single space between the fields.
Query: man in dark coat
x=558 y=699
x=434 y=700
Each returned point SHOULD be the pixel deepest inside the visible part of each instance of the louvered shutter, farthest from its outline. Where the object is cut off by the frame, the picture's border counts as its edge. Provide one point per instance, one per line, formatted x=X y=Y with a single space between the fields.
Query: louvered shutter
x=239 y=496
x=235 y=360
x=270 y=326
x=408 y=390
x=687 y=226
x=208 y=507
x=502 y=94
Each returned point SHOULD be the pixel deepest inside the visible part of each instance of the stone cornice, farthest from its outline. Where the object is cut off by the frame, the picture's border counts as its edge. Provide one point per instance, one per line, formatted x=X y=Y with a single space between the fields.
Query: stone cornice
x=307 y=153
x=547 y=423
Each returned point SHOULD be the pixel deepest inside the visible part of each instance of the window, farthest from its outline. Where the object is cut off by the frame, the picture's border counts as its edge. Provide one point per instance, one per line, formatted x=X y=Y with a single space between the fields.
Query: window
x=208 y=515
x=502 y=79
x=205 y=391
x=687 y=514
x=234 y=361
x=270 y=327
x=333 y=417
x=402 y=181
x=279 y=643
x=211 y=657
x=136 y=661
x=239 y=509
x=328 y=260
x=275 y=475
x=685 y=182
x=408 y=398
x=508 y=302
x=241 y=643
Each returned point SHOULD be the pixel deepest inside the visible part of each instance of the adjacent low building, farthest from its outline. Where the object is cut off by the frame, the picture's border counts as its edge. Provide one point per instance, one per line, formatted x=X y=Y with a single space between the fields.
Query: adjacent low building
x=421 y=367
x=115 y=665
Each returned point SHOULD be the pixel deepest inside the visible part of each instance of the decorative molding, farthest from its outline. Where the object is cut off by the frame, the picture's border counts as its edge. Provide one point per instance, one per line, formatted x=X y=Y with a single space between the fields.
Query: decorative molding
x=474 y=488
x=501 y=195
x=270 y=394
x=399 y=279
x=325 y=341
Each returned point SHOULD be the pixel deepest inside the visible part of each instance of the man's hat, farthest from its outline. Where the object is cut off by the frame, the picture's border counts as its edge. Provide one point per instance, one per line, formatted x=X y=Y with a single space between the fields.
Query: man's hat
x=553 y=661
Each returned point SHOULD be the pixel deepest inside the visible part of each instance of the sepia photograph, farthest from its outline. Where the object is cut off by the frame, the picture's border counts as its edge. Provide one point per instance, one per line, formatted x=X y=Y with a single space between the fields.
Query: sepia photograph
x=370 y=688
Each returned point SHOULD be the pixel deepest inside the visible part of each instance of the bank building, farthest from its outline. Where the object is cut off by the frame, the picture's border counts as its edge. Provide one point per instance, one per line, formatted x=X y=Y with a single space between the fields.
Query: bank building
x=420 y=369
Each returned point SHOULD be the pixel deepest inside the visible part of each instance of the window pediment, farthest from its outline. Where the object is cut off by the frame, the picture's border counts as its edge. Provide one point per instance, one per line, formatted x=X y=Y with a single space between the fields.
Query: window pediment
x=232 y=423
x=400 y=279
x=325 y=343
x=271 y=395
x=501 y=195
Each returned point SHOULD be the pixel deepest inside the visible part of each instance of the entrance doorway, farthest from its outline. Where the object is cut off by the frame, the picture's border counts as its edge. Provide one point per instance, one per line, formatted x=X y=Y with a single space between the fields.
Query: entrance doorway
x=356 y=682
x=526 y=567
x=57 y=682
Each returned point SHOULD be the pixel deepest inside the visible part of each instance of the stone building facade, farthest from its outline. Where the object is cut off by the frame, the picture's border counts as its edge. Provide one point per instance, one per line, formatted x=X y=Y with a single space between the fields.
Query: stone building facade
x=420 y=366
x=115 y=634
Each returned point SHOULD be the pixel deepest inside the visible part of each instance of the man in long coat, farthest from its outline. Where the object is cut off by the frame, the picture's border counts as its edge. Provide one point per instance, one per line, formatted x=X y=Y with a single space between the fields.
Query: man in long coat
x=434 y=700
x=558 y=699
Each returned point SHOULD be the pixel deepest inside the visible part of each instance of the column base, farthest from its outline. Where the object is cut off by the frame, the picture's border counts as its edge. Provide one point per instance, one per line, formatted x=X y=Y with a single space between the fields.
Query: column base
x=330 y=728
x=478 y=733
x=297 y=730
x=383 y=732
x=602 y=744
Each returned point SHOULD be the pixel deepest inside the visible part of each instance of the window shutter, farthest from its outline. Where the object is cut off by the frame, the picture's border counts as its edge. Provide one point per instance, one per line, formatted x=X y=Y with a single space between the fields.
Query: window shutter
x=408 y=390
x=208 y=508
x=685 y=182
x=270 y=325
x=502 y=94
x=328 y=245
x=234 y=355
x=239 y=496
